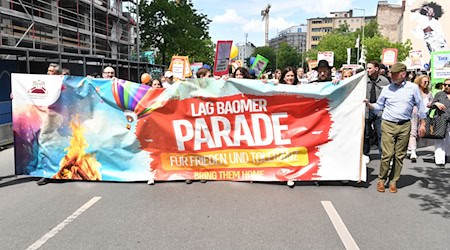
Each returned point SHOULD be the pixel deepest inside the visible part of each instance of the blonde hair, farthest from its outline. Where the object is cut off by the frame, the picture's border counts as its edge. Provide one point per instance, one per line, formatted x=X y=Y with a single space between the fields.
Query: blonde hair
x=418 y=81
x=347 y=71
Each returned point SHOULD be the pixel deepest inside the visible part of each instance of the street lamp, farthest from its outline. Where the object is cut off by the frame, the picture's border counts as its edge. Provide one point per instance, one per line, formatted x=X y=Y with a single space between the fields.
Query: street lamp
x=363 y=24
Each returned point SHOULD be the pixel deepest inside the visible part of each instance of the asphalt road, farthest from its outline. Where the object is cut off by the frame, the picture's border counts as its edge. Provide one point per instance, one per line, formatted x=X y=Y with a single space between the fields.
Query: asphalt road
x=227 y=215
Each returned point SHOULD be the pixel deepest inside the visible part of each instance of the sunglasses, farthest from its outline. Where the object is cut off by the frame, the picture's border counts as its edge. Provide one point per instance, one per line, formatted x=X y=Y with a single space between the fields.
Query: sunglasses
x=426 y=81
x=446 y=85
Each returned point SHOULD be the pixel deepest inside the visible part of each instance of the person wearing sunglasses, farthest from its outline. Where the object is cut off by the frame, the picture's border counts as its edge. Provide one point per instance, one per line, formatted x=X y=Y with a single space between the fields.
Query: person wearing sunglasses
x=423 y=81
x=442 y=101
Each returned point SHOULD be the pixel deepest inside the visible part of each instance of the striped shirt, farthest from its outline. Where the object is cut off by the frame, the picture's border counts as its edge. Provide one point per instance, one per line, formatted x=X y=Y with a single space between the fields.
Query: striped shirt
x=397 y=102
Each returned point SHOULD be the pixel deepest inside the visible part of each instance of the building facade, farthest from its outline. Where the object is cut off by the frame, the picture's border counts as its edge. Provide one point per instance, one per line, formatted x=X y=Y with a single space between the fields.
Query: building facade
x=245 y=50
x=388 y=18
x=320 y=26
x=81 y=35
x=294 y=36
x=317 y=27
x=100 y=27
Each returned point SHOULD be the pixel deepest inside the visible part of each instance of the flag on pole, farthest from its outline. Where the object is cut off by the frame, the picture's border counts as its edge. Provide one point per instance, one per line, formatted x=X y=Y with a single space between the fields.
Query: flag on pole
x=349 y=55
x=357 y=42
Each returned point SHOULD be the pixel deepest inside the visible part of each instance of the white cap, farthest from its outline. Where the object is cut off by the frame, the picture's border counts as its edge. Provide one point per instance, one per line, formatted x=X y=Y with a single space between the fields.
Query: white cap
x=168 y=74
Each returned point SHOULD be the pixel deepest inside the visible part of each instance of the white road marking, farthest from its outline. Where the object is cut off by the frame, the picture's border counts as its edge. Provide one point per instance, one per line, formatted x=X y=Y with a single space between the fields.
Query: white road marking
x=61 y=225
x=339 y=225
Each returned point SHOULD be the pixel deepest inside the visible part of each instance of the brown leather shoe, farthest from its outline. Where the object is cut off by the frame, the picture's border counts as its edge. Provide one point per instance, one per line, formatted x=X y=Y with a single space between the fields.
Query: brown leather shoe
x=393 y=188
x=380 y=187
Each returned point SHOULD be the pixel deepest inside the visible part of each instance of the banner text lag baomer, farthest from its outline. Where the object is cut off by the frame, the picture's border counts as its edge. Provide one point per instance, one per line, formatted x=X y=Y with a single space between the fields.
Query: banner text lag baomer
x=242 y=130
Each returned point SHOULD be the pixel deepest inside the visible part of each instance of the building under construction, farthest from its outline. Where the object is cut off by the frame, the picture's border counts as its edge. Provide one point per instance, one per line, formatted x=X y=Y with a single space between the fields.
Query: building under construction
x=81 y=35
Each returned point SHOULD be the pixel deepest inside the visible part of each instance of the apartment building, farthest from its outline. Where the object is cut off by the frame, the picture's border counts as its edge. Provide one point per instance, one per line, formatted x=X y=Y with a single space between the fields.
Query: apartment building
x=320 y=26
x=294 y=36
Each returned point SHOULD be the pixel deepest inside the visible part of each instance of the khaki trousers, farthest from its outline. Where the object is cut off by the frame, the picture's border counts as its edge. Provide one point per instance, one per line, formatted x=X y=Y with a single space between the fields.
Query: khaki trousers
x=394 y=143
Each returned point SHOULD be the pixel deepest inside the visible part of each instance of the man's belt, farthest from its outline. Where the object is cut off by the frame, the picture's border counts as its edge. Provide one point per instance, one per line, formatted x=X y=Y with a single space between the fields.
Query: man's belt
x=401 y=122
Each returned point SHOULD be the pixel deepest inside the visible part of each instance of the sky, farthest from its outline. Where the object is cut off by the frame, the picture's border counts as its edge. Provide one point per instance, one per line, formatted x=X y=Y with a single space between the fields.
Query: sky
x=232 y=19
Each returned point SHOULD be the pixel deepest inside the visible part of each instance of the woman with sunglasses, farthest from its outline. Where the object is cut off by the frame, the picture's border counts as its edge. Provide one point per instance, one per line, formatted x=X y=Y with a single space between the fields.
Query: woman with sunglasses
x=423 y=81
x=442 y=101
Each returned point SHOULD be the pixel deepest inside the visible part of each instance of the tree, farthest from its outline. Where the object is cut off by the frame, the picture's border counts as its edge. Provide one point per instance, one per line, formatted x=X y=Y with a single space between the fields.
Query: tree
x=175 y=28
x=370 y=30
x=342 y=29
x=268 y=53
x=287 y=56
x=376 y=44
x=338 y=42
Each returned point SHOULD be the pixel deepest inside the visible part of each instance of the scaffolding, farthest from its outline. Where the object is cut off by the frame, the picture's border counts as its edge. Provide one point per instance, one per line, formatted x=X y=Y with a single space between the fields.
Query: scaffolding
x=91 y=27
x=90 y=30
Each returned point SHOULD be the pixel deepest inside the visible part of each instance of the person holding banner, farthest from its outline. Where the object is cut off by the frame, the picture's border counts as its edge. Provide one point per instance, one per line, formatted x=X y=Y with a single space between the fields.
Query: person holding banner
x=203 y=73
x=241 y=73
x=167 y=80
x=288 y=76
x=53 y=69
x=442 y=102
x=397 y=102
x=375 y=84
x=346 y=73
x=109 y=73
x=277 y=76
x=323 y=72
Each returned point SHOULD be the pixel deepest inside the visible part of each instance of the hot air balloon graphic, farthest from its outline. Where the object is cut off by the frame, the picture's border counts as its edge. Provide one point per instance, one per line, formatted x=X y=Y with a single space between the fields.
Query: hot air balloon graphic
x=136 y=100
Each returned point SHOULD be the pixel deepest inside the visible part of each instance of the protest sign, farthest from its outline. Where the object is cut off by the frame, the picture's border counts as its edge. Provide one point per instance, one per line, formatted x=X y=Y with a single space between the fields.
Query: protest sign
x=415 y=59
x=195 y=67
x=180 y=67
x=326 y=55
x=222 y=57
x=389 y=56
x=259 y=65
x=236 y=64
x=440 y=69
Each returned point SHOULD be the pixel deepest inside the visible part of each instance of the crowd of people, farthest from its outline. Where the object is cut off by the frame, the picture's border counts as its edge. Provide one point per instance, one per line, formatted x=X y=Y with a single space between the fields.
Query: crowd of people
x=396 y=101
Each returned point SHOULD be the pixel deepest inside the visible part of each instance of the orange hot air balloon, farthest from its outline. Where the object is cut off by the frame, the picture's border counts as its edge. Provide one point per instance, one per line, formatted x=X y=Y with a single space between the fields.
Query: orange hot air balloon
x=145 y=78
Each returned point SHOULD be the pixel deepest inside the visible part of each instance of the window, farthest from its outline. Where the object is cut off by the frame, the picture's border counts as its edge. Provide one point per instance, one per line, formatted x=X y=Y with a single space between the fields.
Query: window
x=316 y=38
x=316 y=29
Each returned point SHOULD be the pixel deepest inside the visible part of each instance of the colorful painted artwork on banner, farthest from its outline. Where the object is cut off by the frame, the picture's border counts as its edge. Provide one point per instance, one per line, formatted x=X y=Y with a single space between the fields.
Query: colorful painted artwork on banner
x=241 y=130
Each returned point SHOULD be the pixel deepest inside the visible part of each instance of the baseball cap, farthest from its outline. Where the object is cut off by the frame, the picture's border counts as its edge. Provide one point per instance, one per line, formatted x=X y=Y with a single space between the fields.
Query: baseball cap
x=398 y=67
x=168 y=74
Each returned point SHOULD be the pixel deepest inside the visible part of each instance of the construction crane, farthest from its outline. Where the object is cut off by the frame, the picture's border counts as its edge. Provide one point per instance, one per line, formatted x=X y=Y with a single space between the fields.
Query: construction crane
x=265 y=16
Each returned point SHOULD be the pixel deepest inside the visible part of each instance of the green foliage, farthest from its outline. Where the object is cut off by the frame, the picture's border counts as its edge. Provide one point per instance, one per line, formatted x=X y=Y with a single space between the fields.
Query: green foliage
x=175 y=28
x=310 y=55
x=342 y=29
x=376 y=44
x=371 y=30
x=339 y=41
x=287 y=56
x=268 y=53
